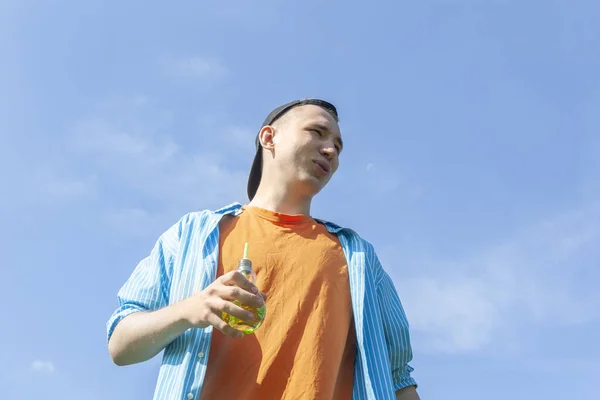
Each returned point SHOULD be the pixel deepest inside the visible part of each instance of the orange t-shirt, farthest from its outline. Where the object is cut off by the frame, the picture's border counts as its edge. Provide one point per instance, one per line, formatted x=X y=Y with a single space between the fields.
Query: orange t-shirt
x=305 y=348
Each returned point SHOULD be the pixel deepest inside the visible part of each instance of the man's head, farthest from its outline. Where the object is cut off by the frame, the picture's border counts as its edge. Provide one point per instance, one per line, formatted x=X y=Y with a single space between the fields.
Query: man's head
x=298 y=145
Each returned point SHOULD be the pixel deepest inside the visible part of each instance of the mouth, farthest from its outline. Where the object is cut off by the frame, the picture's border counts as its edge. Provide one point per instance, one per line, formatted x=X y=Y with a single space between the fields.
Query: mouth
x=322 y=167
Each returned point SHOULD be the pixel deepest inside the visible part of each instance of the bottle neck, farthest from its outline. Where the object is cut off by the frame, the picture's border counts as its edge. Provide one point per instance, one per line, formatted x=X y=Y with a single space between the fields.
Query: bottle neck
x=245 y=265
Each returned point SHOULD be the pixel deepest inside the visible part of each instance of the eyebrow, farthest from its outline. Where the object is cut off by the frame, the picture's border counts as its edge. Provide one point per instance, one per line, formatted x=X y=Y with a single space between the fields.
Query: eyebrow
x=324 y=128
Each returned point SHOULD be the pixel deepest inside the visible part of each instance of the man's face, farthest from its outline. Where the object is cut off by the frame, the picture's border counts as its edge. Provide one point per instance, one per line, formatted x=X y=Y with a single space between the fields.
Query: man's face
x=306 y=147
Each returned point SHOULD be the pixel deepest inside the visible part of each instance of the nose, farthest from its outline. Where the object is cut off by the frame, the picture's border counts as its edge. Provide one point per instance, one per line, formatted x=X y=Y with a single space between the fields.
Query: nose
x=328 y=151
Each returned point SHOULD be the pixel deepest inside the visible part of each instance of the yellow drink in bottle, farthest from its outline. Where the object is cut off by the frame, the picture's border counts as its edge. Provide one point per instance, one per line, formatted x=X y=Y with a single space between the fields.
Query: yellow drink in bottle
x=247 y=327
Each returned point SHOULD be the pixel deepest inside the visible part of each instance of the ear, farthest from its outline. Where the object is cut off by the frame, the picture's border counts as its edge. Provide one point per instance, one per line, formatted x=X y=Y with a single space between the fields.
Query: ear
x=266 y=136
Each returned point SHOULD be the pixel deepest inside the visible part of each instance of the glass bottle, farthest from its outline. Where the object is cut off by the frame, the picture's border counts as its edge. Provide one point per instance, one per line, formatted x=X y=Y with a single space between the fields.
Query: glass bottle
x=246 y=327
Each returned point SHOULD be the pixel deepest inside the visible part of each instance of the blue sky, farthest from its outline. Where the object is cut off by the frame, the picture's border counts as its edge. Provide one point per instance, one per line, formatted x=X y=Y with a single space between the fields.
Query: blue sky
x=471 y=162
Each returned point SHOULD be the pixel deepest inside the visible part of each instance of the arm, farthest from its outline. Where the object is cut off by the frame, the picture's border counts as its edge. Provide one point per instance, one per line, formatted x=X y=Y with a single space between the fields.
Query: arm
x=407 y=393
x=140 y=299
x=142 y=335
x=145 y=323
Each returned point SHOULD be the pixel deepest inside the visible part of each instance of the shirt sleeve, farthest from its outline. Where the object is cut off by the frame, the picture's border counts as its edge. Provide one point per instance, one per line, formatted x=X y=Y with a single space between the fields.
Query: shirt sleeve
x=396 y=331
x=147 y=288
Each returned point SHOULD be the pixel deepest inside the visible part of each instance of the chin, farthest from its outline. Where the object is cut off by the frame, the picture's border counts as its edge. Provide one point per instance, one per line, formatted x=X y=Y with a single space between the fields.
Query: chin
x=313 y=186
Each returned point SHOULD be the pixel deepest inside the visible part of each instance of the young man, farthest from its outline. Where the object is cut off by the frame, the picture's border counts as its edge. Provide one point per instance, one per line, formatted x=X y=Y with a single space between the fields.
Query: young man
x=334 y=325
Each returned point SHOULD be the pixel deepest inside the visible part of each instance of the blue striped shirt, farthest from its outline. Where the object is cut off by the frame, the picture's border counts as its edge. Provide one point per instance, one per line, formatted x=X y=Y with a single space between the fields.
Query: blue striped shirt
x=184 y=261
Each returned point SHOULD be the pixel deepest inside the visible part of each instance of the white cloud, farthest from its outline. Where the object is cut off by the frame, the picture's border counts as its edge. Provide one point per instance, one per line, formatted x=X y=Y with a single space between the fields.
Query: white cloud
x=130 y=152
x=240 y=138
x=138 y=222
x=233 y=139
x=162 y=169
x=45 y=185
x=45 y=367
x=386 y=180
x=113 y=141
x=535 y=277
x=205 y=68
x=52 y=185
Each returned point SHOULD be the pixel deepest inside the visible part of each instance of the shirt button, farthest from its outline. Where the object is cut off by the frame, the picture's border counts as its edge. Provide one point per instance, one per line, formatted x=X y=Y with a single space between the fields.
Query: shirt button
x=201 y=355
x=190 y=396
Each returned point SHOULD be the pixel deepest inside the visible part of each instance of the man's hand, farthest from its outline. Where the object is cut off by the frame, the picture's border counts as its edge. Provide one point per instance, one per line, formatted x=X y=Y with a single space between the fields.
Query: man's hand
x=142 y=335
x=206 y=307
x=407 y=393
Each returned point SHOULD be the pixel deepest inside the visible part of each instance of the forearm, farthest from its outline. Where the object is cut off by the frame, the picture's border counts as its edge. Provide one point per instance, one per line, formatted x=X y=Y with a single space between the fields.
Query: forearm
x=142 y=335
x=407 y=393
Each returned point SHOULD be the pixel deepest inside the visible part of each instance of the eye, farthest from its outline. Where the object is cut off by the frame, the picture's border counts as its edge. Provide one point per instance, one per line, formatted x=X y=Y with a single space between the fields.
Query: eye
x=318 y=132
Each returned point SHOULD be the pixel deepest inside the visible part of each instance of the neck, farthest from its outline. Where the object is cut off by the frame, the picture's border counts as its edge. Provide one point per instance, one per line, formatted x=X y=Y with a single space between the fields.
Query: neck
x=281 y=200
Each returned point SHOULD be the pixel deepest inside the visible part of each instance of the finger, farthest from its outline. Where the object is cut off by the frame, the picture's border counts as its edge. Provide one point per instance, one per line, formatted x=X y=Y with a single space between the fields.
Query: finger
x=232 y=309
x=221 y=325
x=238 y=279
x=263 y=295
x=236 y=293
